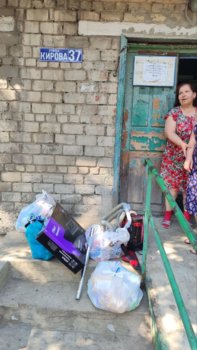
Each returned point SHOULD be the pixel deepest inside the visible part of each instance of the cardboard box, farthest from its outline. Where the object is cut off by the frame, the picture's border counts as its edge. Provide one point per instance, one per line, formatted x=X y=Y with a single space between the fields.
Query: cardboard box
x=65 y=238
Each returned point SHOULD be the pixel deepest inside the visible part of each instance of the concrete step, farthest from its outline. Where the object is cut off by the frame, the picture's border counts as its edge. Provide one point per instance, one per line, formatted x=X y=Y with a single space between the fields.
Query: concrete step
x=56 y=340
x=14 y=336
x=4 y=272
x=46 y=271
x=51 y=309
x=35 y=303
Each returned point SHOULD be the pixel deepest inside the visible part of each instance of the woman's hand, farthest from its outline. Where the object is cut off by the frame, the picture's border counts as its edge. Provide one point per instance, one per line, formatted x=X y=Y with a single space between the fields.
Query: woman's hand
x=184 y=147
x=170 y=132
x=188 y=165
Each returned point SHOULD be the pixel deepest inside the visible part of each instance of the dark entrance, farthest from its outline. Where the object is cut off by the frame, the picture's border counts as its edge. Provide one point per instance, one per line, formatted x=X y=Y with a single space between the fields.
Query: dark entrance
x=187 y=69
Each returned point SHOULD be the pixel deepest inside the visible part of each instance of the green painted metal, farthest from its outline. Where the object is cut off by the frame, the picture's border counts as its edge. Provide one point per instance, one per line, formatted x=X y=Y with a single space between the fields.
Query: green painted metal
x=177 y=211
x=185 y=50
x=128 y=100
x=119 y=116
x=140 y=106
x=148 y=219
x=147 y=143
x=149 y=106
x=143 y=124
x=144 y=107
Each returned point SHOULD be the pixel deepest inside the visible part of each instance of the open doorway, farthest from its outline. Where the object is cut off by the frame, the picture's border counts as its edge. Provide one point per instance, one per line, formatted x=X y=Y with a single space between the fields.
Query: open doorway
x=187 y=69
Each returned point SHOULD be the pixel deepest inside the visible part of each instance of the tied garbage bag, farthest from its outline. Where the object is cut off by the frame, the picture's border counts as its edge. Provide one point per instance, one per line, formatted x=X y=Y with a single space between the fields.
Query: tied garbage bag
x=42 y=207
x=113 y=288
x=106 y=245
x=38 y=251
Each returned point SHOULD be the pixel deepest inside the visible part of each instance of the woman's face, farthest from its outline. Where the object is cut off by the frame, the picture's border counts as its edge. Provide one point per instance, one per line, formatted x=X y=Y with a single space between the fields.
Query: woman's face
x=186 y=96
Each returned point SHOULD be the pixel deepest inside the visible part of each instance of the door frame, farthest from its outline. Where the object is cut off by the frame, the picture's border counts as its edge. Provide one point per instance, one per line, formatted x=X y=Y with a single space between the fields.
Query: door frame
x=177 y=47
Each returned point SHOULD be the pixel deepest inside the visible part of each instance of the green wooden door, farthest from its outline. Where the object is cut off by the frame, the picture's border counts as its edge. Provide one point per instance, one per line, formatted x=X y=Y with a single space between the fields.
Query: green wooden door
x=142 y=133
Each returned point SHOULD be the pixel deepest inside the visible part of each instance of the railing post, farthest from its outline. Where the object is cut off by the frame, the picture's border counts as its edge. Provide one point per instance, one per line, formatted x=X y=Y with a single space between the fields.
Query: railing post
x=146 y=220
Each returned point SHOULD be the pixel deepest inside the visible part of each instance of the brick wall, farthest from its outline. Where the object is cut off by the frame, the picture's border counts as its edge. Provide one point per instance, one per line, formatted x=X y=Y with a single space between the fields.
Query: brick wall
x=57 y=120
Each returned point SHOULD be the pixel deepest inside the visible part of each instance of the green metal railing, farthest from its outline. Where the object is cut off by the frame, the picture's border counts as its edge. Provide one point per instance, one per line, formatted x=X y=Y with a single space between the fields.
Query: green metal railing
x=148 y=219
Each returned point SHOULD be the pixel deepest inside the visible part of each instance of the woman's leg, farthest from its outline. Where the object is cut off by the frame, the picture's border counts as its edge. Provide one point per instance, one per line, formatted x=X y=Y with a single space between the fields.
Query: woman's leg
x=186 y=214
x=168 y=213
x=187 y=239
x=174 y=193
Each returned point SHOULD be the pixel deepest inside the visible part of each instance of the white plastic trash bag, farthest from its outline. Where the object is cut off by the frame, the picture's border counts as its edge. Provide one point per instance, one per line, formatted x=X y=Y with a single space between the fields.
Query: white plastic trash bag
x=113 y=288
x=106 y=245
x=42 y=207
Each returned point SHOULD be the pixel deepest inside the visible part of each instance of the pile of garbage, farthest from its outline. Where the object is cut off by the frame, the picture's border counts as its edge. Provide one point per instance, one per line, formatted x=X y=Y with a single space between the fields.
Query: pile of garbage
x=52 y=232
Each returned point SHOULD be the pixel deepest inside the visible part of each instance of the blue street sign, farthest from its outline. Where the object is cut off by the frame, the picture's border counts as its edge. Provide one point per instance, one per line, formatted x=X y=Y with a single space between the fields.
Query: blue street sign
x=60 y=55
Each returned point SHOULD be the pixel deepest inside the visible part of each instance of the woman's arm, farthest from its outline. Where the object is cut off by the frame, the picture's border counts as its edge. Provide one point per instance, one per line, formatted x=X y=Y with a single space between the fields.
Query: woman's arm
x=170 y=132
x=188 y=161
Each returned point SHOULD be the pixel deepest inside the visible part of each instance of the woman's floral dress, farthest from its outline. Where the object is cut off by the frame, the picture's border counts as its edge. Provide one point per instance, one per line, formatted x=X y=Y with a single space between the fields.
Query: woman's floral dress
x=172 y=171
x=191 y=195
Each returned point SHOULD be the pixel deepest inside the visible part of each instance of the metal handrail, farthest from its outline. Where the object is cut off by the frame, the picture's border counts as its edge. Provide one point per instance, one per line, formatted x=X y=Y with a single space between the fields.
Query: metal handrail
x=148 y=218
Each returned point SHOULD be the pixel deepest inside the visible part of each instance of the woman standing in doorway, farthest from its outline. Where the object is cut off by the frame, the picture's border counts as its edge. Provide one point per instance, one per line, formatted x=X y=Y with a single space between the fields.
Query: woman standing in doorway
x=178 y=128
x=190 y=165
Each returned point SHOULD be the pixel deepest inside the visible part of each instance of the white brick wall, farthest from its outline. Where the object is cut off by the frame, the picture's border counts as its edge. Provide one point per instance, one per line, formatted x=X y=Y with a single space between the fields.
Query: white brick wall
x=7 y=24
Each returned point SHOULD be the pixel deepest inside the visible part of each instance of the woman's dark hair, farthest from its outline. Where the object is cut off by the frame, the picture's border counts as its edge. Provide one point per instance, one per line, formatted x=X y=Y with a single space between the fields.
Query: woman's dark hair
x=193 y=88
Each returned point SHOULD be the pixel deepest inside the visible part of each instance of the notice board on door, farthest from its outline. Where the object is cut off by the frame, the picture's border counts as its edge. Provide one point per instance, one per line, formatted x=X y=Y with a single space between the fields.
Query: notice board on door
x=154 y=70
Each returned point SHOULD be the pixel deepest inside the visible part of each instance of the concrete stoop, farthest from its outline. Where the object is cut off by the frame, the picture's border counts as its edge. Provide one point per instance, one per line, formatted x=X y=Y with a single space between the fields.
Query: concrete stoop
x=38 y=310
x=83 y=340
